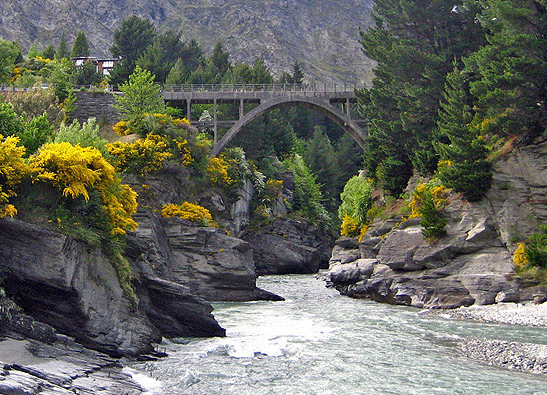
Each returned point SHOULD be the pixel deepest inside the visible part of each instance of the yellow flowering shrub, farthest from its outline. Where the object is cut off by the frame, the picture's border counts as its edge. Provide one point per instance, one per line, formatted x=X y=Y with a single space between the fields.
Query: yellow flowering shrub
x=189 y=211
x=428 y=199
x=217 y=169
x=142 y=156
x=121 y=128
x=76 y=171
x=72 y=168
x=350 y=227
x=120 y=207
x=519 y=257
x=12 y=169
x=363 y=232
x=184 y=151
x=437 y=191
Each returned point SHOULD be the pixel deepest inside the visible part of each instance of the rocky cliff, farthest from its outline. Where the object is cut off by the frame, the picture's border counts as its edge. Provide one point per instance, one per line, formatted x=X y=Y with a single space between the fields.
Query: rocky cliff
x=471 y=265
x=72 y=286
x=323 y=35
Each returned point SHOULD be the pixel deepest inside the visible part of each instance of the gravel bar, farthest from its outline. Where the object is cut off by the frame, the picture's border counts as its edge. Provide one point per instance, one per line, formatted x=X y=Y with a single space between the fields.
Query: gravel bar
x=527 y=314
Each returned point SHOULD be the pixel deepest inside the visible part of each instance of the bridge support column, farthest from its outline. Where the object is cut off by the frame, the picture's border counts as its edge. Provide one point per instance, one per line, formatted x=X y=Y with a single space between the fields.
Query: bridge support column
x=215 y=125
x=241 y=108
x=348 y=108
x=188 y=109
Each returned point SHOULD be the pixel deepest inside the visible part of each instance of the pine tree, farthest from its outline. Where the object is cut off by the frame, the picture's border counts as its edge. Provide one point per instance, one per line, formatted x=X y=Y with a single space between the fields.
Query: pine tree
x=62 y=49
x=219 y=59
x=131 y=39
x=261 y=74
x=297 y=73
x=81 y=46
x=511 y=87
x=463 y=167
x=49 y=52
x=161 y=56
x=176 y=75
x=139 y=96
x=413 y=43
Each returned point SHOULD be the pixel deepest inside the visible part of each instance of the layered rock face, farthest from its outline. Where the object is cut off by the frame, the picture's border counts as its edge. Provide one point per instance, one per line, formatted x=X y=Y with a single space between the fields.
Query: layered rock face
x=73 y=287
x=288 y=246
x=471 y=265
x=205 y=261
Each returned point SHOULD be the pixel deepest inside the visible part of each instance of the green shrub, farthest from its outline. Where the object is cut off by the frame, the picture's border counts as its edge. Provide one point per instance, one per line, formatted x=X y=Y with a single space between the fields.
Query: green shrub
x=536 y=249
x=87 y=135
x=356 y=199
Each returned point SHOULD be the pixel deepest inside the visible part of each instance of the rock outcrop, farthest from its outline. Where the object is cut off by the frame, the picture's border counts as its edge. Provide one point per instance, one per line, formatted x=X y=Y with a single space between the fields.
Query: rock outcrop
x=471 y=265
x=63 y=367
x=72 y=286
x=205 y=261
x=288 y=246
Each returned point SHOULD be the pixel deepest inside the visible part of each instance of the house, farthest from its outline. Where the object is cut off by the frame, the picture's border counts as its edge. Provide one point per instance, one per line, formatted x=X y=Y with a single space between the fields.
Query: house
x=104 y=66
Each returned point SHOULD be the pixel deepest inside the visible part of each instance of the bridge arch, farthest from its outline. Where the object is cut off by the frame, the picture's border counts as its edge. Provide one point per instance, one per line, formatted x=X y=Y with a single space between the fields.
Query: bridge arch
x=342 y=119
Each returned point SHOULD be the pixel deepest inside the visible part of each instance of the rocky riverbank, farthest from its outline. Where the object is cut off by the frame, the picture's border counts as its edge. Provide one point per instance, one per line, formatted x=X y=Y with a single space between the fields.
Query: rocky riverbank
x=526 y=357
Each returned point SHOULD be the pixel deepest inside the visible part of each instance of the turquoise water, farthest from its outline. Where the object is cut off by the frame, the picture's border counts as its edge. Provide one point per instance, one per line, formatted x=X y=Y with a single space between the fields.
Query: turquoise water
x=318 y=342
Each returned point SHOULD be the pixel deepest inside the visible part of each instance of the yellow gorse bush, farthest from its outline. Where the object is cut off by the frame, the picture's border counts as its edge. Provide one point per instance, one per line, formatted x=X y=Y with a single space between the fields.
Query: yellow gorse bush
x=76 y=170
x=12 y=170
x=121 y=128
x=438 y=192
x=72 y=168
x=142 y=156
x=350 y=226
x=217 y=169
x=184 y=151
x=519 y=257
x=189 y=211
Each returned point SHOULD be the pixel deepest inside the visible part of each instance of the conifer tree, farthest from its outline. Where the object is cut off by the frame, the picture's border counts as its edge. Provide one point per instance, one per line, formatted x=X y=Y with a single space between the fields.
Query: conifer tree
x=49 y=52
x=81 y=46
x=62 y=49
x=139 y=96
x=219 y=59
x=463 y=166
x=511 y=88
x=131 y=39
x=297 y=73
x=176 y=75
x=413 y=43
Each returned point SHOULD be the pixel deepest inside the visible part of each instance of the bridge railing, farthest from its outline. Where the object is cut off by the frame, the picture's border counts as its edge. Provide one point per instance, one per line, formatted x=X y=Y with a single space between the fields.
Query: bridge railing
x=311 y=87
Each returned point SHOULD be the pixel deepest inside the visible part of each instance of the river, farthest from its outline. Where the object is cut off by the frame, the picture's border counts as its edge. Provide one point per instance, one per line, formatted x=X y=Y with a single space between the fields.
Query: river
x=319 y=342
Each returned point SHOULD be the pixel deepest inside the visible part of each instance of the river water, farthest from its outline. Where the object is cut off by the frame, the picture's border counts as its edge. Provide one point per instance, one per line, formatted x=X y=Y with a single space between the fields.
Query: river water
x=319 y=342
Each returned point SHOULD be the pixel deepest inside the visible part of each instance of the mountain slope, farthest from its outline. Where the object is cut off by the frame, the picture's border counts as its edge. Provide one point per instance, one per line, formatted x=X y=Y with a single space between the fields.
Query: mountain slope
x=322 y=34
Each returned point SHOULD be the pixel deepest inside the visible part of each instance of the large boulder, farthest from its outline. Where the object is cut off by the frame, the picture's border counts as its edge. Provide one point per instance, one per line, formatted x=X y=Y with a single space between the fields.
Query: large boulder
x=288 y=246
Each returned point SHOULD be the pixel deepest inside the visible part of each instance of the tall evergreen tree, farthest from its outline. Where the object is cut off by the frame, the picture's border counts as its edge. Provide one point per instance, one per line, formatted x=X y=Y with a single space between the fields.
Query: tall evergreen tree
x=261 y=74
x=463 y=167
x=62 y=49
x=161 y=55
x=81 y=46
x=49 y=52
x=131 y=39
x=511 y=71
x=297 y=73
x=220 y=59
x=413 y=43
x=176 y=75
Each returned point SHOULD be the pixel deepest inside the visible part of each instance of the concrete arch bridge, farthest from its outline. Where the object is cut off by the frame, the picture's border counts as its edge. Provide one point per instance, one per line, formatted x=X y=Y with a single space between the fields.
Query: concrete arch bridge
x=333 y=101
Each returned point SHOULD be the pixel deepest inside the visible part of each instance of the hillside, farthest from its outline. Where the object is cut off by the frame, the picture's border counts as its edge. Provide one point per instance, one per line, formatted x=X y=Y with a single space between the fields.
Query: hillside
x=322 y=34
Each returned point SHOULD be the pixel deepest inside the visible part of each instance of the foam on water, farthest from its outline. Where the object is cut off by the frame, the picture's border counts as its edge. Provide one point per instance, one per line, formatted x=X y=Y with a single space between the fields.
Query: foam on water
x=149 y=384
